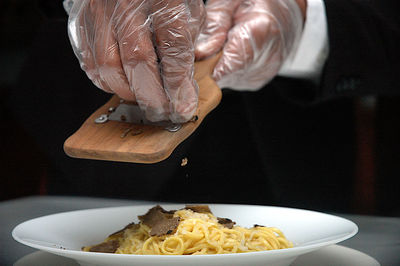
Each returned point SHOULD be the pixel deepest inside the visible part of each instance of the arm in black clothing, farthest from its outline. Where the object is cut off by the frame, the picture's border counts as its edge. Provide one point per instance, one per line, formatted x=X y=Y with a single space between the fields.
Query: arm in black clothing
x=52 y=9
x=364 y=49
x=364 y=58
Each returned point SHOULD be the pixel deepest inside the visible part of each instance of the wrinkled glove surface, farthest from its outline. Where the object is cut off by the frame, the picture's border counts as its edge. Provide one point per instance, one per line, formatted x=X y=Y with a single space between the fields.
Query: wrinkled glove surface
x=256 y=37
x=142 y=50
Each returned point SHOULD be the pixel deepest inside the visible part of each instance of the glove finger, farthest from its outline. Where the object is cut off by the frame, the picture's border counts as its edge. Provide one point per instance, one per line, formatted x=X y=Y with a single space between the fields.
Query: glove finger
x=106 y=51
x=175 y=47
x=139 y=59
x=80 y=32
x=197 y=17
x=252 y=54
x=217 y=25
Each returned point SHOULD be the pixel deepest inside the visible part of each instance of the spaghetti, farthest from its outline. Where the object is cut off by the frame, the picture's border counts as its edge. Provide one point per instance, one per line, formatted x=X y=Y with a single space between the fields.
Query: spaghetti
x=197 y=233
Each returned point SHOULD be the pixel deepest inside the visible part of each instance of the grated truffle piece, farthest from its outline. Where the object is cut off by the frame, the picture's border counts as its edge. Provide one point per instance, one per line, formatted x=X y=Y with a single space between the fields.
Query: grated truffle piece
x=160 y=221
x=258 y=225
x=121 y=232
x=199 y=208
x=165 y=227
x=228 y=223
x=106 y=247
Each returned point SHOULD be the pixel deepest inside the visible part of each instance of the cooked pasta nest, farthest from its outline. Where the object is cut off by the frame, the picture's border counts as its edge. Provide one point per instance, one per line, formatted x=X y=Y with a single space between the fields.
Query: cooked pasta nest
x=196 y=233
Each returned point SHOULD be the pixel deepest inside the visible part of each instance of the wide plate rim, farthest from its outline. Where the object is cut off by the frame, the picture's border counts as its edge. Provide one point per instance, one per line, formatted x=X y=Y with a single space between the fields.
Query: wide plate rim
x=295 y=251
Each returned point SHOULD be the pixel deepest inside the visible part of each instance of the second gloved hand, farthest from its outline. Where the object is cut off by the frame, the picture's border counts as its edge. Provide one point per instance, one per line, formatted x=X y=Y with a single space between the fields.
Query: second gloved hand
x=142 y=50
x=256 y=36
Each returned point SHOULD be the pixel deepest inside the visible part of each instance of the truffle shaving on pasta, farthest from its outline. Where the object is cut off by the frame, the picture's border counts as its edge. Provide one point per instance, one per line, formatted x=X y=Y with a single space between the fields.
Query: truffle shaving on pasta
x=193 y=230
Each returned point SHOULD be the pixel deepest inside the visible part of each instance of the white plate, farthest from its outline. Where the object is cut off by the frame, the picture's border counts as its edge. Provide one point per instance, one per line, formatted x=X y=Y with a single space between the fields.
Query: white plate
x=65 y=233
x=333 y=255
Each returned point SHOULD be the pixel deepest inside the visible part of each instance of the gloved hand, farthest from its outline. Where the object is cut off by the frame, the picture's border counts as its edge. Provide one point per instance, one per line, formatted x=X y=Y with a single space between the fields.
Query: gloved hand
x=256 y=36
x=142 y=50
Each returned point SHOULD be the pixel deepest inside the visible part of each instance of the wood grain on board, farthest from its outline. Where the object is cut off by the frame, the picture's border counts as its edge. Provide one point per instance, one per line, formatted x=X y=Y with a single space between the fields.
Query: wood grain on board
x=125 y=142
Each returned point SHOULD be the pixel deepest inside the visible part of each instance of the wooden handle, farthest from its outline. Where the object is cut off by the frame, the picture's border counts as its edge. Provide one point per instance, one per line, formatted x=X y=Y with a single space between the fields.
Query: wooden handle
x=118 y=141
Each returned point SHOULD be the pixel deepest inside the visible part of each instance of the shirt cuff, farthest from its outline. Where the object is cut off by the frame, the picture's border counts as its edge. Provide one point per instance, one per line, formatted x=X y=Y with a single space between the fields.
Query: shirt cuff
x=308 y=59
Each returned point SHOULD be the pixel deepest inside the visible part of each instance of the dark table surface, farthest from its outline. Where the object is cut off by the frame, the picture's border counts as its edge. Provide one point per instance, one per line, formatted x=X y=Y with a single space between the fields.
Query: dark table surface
x=379 y=237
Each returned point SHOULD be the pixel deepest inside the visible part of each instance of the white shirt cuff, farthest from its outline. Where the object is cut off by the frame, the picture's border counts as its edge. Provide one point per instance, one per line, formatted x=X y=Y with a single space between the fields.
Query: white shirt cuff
x=308 y=59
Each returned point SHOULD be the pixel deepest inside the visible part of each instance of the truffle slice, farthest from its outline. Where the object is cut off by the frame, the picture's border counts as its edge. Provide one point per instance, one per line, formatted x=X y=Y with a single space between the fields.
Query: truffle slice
x=228 y=223
x=199 y=208
x=106 y=247
x=258 y=225
x=121 y=232
x=160 y=221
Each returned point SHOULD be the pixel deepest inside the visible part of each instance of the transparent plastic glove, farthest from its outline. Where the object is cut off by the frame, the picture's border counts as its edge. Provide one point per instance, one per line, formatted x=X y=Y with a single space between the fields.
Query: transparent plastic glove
x=142 y=50
x=256 y=36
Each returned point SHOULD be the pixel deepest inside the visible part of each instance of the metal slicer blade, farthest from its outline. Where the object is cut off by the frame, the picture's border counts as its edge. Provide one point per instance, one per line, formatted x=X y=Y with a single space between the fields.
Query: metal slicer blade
x=131 y=113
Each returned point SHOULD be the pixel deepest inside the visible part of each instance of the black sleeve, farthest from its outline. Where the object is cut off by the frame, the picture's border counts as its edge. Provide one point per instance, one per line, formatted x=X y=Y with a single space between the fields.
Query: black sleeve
x=52 y=9
x=364 y=56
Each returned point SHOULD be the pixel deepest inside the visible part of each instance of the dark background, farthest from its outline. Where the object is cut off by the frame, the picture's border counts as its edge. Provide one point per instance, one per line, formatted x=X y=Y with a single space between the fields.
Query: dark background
x=256 y=148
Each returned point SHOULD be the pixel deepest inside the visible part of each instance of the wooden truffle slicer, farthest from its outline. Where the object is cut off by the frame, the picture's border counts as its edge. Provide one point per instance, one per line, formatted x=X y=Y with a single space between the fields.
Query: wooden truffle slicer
x=113 y=133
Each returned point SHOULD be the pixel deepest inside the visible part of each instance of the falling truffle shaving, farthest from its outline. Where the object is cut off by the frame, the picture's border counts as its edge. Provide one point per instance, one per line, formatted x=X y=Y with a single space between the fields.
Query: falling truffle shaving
x=228 y=223
x=106 y=247
x=160 y=221
x=199 y=208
